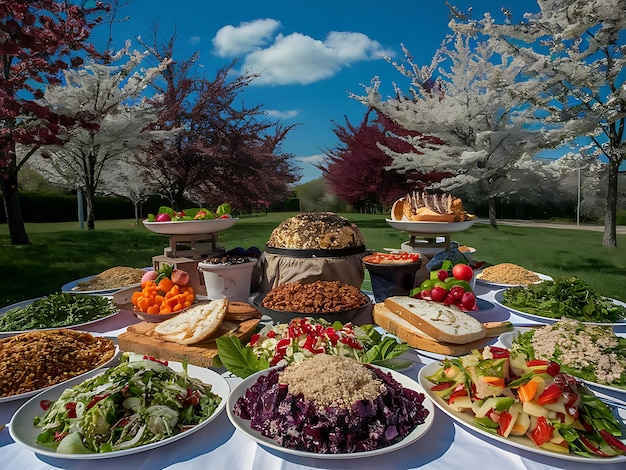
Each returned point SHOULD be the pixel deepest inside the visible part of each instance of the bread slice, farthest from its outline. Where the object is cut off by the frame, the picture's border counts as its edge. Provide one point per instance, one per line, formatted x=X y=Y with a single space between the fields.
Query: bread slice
x=194 y=324
x=439 y=321
x=417 y=339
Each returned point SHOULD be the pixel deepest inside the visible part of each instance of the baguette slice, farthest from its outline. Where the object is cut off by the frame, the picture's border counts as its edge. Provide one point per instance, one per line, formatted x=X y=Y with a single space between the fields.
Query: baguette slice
x=194 y=324
x=441 y=322
x=417 y=339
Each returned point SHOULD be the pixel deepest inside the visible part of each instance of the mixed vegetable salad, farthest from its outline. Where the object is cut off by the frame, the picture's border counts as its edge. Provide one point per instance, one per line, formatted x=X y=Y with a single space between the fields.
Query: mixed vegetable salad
x=135 y=403
x=284 y=343
x=511 y=395
x=564 y=298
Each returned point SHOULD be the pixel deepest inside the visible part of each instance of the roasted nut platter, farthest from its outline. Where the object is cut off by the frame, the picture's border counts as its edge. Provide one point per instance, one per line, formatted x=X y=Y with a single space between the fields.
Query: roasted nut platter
x=230 y=387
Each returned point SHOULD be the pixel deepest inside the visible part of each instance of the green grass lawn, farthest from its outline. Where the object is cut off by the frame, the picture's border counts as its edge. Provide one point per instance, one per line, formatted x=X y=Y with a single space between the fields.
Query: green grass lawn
x=62 y=252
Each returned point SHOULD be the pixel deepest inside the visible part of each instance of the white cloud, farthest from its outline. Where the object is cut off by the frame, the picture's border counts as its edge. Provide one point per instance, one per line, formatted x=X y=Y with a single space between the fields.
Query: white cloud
x=234 y=41
x=295 y=58
x=275 y=113
x=195 y=39
x=312 y=159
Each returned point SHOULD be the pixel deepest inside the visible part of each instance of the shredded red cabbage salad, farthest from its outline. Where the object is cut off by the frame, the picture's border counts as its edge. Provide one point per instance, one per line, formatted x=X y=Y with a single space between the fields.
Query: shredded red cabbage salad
x=294 y=423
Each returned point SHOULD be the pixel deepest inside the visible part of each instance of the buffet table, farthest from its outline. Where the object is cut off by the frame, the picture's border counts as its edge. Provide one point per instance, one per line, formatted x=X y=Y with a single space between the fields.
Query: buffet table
x=447 y=445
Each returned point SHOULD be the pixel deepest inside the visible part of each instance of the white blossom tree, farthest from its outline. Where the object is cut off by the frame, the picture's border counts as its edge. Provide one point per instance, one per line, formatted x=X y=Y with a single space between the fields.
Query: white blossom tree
x=128 y=179
x=487 y=142
x=112 y=119
x=574 y=55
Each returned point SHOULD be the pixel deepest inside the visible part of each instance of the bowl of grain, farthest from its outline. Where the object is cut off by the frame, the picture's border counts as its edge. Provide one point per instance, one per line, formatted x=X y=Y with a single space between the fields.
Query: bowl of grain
x=331 y=300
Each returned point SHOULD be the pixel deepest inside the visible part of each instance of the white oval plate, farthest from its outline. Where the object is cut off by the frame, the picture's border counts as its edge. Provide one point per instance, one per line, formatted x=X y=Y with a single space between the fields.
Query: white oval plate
x=71 y=286
x=498 y=297
x=26 y=303
x=497 y=285
x=506 y=339
x=436 y=228
x=190 y=227
x=105 y=365
x=519 y=442
x=244 y=425
x=25 y=433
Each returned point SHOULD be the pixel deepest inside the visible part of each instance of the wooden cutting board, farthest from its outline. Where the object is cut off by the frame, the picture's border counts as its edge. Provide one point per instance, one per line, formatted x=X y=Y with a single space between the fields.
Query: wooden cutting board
x=138 y=339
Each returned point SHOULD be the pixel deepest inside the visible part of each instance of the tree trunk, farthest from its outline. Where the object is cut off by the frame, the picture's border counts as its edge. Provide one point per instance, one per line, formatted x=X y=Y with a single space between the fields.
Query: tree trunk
x=91 y=219
x=492 y=212
x=610 y=232
x=12 y=210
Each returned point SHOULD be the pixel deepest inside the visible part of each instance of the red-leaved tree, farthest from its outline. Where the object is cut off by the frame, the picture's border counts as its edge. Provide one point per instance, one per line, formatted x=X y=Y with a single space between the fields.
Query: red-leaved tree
x=38 y=38
x=223 y=151
x=356 y=170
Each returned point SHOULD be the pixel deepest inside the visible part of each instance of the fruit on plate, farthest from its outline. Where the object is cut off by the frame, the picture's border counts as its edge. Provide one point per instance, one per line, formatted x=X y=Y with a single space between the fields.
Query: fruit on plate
x=448 y=285
x=167 y=214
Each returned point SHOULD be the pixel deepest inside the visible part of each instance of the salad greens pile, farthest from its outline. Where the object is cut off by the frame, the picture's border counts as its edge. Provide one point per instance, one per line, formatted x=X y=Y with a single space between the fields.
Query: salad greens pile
x=564 y=298
x=57 y=310
x=281 y=344
x=135 y=403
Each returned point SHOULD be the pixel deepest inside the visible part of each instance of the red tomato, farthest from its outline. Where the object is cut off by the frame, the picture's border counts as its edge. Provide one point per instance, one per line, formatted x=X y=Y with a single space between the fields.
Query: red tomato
x=463 y=272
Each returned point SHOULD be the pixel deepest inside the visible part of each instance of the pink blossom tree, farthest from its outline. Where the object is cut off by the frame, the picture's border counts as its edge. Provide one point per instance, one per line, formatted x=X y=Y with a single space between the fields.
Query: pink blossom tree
x=38 y=38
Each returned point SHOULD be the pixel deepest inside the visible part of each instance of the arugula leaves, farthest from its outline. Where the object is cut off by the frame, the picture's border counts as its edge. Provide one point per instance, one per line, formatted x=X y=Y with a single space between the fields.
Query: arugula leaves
x=564 y=298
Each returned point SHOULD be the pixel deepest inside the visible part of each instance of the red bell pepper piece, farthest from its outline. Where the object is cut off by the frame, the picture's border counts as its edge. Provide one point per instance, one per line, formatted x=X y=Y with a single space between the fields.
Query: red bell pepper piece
x=550 y=395
x=441 y=386
x=543 y=432
x=459 y=391
x=505 y=420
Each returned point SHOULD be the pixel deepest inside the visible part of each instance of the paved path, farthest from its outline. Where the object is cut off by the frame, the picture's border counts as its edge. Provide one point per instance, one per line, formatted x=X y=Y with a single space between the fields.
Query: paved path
x=620 y=229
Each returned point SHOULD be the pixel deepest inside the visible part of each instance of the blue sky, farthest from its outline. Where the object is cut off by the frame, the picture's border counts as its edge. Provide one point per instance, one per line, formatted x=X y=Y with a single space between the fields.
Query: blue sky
x=311 y=54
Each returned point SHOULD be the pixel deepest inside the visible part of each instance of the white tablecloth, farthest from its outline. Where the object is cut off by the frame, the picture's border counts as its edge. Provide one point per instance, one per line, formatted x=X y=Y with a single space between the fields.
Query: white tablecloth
x=445 y=446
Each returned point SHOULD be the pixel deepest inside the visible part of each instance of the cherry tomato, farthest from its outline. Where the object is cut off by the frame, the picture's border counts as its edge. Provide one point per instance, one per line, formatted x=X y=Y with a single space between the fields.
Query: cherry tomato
x=463 y=272
x=468 y=302
x=442 y=274
x=438 y=294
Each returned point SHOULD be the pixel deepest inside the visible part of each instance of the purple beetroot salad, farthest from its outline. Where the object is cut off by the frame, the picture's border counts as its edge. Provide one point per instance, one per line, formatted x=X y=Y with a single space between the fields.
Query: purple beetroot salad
x=368 y=425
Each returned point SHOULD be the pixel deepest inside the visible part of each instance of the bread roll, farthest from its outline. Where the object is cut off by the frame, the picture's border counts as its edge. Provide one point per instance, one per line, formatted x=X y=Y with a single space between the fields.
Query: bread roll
x=441 y=322
x=194 y=324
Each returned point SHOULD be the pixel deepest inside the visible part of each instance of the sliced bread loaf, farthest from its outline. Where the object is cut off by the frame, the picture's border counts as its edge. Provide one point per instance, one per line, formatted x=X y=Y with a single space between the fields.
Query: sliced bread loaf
x=439 y=321
x=193 y=324
x=416 y=338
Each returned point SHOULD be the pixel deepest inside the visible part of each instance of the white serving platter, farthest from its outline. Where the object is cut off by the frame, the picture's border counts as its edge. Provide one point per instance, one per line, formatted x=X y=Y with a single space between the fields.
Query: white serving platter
x=243 y=425
x=25 y=433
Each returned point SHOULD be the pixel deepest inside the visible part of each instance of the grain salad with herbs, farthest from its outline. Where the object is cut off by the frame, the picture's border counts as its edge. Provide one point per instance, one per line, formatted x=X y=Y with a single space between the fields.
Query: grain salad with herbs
x=589 y=352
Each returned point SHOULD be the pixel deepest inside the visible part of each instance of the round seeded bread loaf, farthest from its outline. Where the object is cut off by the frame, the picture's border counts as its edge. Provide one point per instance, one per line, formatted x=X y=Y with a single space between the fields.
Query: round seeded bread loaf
x=316 y=231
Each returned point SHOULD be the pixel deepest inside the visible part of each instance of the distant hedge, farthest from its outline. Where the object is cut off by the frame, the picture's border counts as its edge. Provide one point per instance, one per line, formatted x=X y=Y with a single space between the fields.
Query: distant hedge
x=38 y=207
